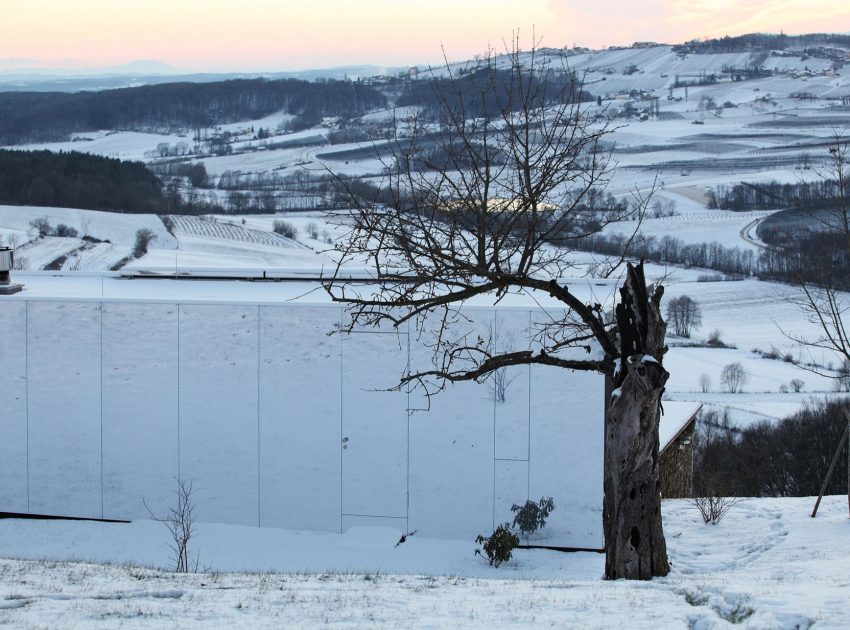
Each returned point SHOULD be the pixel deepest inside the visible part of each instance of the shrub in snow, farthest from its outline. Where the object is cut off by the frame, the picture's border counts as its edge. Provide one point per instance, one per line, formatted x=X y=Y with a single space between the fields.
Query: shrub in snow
x=714 y=340
x=144 y=236
x=709 y=277
x=713 y=508
x=41 y=226
x=498 y=546
x=65 y=231
x=284 y=228
x=532 y=516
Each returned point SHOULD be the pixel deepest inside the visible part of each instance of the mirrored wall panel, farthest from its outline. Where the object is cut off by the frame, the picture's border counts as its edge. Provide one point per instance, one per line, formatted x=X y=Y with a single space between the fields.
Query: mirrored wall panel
x=13 y=402
x=140 y=392
x=300 y=418
x=218 y=410
x=64 y=355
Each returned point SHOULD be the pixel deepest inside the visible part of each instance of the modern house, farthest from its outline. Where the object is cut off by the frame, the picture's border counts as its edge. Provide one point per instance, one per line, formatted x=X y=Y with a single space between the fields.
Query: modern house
x=115 y=387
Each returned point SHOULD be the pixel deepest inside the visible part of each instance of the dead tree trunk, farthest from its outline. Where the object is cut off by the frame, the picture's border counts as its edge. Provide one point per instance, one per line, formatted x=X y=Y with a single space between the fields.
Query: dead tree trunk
x=634 y=539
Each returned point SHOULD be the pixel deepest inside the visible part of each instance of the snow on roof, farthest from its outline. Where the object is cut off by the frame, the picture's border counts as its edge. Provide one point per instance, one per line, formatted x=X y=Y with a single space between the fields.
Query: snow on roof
x=677 y=416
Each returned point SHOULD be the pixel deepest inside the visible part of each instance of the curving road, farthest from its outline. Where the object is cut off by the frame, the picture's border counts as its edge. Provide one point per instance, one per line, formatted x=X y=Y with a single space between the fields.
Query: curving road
x=745 y=233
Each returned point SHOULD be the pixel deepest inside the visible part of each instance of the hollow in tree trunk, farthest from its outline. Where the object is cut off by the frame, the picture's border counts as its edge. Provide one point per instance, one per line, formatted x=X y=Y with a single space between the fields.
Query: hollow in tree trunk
x=634 y=539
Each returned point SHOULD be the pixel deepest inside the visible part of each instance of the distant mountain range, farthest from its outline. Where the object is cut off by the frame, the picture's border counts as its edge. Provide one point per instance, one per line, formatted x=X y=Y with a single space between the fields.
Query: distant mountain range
x=27 y=75
x=30 y=75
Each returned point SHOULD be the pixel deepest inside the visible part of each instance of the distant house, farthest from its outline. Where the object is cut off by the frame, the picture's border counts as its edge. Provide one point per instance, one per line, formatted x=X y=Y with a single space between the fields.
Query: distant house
x=645 y=44
x=498 y=205
x=676 y=448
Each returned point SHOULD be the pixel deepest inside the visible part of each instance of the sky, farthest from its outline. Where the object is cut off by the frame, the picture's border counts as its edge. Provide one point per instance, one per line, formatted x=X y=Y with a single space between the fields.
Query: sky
x=269 y=35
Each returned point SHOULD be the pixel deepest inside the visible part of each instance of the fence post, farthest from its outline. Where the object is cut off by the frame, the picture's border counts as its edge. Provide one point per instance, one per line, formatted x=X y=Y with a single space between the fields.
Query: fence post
x=832 y=466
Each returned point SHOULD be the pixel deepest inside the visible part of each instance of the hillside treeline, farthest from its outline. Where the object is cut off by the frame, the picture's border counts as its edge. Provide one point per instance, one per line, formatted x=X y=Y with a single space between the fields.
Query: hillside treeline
x=764 y=42
x=488 y=93
x=773 y=195
x=53 y=116
x=670 y=250
x=90 y=182
x=785 y=459
x=820 y=258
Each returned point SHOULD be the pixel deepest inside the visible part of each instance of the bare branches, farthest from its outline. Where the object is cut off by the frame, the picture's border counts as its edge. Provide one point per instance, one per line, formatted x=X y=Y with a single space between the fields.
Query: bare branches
x=820 y=271
x=487 y=188
x=179 y=519
x=713 y=508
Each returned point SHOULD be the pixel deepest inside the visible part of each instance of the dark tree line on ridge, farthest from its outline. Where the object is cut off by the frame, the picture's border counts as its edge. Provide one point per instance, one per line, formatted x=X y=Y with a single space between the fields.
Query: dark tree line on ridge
x=53 y=116
x=485 y=92
x=91 y=182
x=763 y=42
x=812 y=256
x=772 y=195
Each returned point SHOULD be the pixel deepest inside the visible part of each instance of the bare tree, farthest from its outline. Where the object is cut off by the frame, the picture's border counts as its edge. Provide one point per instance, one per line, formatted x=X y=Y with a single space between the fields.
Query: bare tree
x=179 y=519
x=684 y=314
x=500 y=380
x=491 y=204
x=733 y=377
x=820 y=269
x=704 y=383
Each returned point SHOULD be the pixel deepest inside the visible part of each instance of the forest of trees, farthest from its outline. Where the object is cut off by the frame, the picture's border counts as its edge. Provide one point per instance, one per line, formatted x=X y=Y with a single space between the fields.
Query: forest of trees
x=773 y=195
x=445 y=94
x=53 y=116
x=763 y=42
x=91 y=182
x=814 y=256
x=667 y=249
x=769 y=459
x=77 y=180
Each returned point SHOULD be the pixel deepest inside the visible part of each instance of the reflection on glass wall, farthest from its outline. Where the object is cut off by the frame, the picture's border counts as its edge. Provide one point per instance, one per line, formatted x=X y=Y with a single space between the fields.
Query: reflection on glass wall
x=218 y=419
x=64 y=408
x=300 y=413
x=278 y=422
x=139 y=408
x=13 y=402
x=452 y=448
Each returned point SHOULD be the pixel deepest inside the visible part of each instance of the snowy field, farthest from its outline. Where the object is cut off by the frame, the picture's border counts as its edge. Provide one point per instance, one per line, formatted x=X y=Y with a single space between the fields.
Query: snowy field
x=766 y=565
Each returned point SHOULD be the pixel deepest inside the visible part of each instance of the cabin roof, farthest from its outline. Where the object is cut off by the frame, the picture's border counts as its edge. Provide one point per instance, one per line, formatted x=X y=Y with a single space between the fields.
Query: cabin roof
x=677 y=416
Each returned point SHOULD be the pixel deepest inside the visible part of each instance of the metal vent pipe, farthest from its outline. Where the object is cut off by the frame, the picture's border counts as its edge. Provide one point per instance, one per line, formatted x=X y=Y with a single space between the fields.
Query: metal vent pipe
x=7 y=262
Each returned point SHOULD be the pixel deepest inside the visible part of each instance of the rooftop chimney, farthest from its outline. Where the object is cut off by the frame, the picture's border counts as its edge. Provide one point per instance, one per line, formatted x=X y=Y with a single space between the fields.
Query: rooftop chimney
x=7 y=260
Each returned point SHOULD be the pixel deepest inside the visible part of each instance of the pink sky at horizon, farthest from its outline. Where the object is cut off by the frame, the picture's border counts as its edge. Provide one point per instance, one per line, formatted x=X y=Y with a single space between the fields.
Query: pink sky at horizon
x=268 y=35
